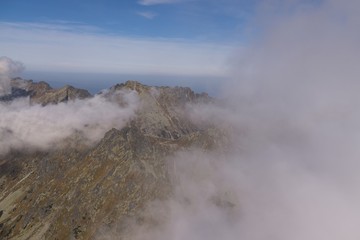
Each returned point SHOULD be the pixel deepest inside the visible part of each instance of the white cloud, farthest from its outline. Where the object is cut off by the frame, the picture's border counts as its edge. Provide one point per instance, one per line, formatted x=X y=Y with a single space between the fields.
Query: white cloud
x=148 y=15
x=292 y=168
x=25 y=126
x=155 y=2
x=48 y=47
x=8 y=67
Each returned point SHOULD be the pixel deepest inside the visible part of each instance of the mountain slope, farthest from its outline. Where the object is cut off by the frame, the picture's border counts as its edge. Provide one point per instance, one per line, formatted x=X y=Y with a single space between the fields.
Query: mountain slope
x=78 y=190
x=42 y=93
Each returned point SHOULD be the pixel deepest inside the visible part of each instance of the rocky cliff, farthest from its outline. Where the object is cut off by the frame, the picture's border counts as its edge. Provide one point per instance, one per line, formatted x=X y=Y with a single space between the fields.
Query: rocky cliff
x=78 y=190
x=42 y=93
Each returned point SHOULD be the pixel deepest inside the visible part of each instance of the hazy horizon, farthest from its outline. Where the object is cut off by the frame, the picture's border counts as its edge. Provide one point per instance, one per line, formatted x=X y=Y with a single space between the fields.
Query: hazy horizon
x=95 y=82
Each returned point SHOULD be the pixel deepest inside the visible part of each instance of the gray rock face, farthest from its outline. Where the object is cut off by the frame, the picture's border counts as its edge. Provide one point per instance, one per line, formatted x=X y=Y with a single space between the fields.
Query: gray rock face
x=42 y=93
x=163 y=109
x=72 y=192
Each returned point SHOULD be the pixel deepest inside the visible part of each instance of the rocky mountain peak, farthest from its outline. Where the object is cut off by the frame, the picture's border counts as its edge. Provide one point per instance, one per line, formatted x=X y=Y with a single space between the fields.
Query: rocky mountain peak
x=42 y=93
x=77 y=191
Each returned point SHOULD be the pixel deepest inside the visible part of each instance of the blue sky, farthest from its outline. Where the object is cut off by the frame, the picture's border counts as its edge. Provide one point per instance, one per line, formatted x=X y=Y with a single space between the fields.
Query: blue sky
x=195 y=19
x=190 y=38
x=146 y=40
x=159 y=39
x=182 y=42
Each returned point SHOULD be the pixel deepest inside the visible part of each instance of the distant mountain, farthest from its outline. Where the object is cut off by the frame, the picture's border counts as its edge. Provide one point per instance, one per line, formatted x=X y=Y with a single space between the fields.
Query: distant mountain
x=77 y=190
x=42 y=93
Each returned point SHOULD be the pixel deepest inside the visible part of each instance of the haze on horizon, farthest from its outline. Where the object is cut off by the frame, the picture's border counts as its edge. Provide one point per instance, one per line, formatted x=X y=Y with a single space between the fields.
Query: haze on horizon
x=183 y=39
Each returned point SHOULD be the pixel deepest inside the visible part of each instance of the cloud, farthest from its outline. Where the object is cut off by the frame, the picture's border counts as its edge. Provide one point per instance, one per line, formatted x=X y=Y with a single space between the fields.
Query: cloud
x=156 y=2
x=63 y=48
x=293 y=113
x=33 y=127
x=8 y=68
x=148 y=15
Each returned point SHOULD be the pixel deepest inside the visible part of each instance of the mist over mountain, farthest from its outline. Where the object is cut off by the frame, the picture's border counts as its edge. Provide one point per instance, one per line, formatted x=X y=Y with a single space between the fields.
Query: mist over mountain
x=276 y=158
x=74 y=165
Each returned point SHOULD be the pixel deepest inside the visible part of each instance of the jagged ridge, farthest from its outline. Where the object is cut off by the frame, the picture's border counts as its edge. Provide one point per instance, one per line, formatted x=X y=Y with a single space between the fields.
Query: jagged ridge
x=42 y=93
x=71 y=193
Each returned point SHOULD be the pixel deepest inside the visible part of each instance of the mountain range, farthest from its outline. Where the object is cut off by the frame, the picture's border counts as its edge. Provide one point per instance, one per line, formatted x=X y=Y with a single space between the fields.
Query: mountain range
x=79 y=189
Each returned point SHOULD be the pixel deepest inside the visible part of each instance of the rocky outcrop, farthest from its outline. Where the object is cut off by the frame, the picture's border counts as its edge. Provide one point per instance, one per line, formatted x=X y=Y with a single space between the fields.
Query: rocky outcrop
x=53 y=96
x=162 y=113
x=42 y=93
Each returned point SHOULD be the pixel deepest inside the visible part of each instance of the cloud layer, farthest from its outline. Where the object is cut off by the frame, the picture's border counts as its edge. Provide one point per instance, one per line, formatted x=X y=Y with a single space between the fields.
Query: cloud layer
x=33 y=127
x=147 y=14
x=293 y=111
x=156 y=2
x=64 y=48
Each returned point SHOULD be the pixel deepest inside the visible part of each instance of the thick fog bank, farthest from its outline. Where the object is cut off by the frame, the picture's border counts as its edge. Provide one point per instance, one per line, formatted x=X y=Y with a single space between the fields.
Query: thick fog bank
x=293 y=107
